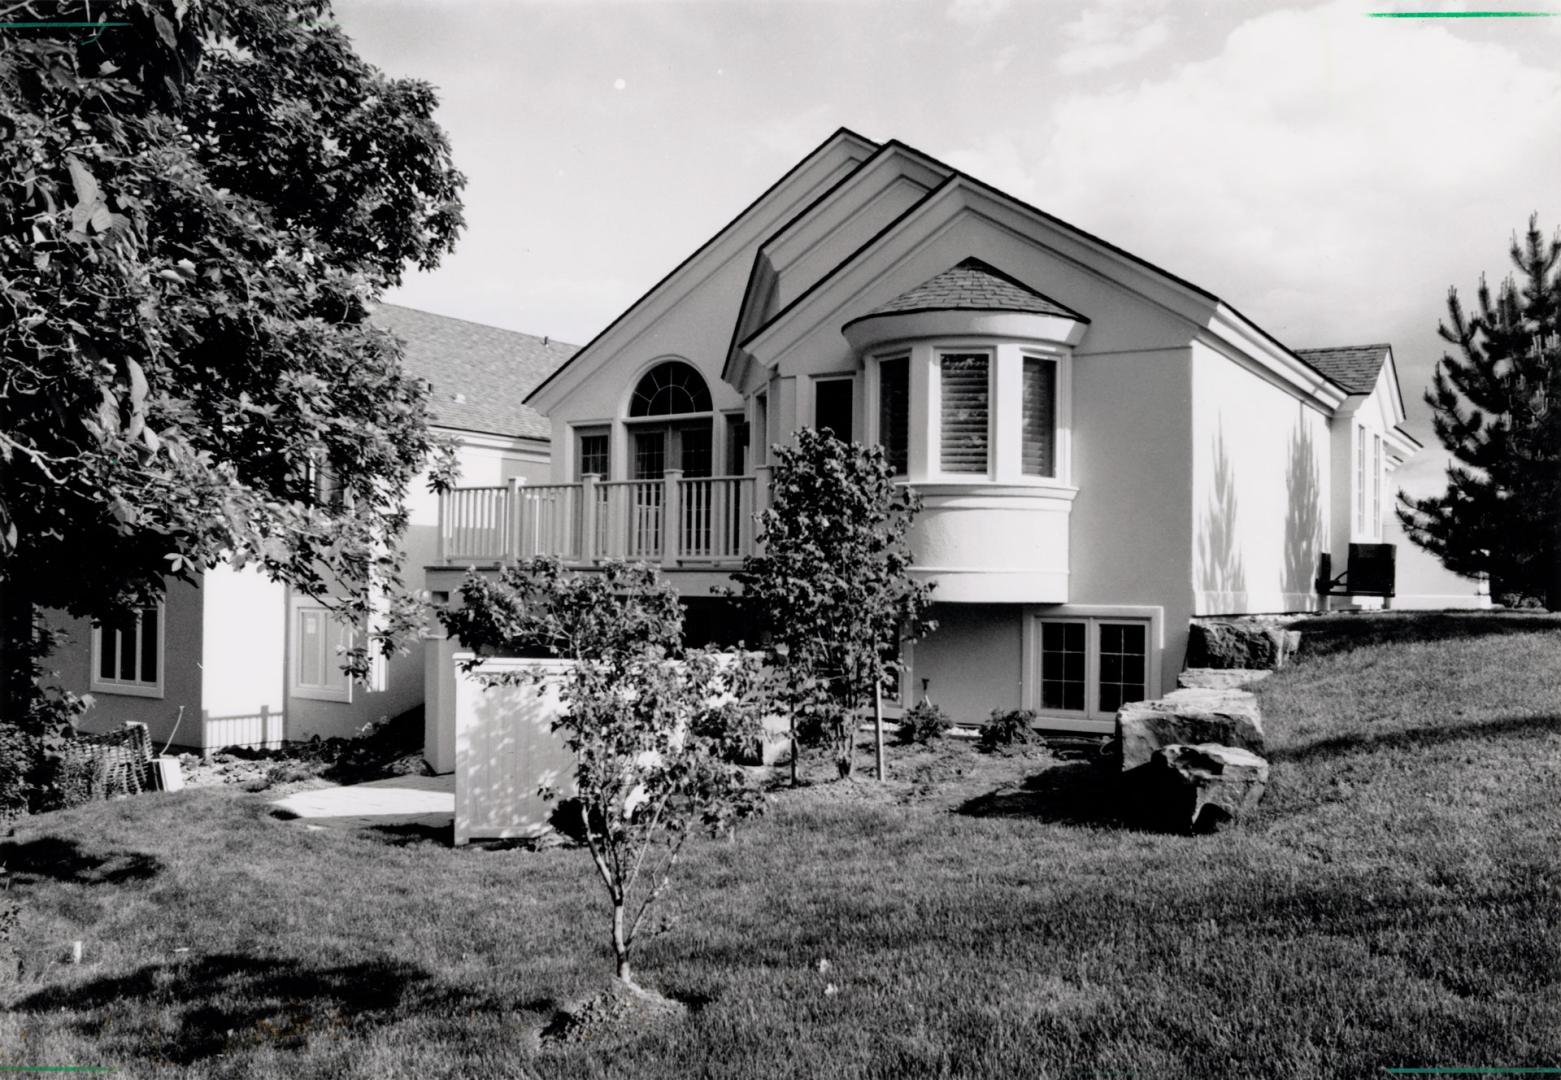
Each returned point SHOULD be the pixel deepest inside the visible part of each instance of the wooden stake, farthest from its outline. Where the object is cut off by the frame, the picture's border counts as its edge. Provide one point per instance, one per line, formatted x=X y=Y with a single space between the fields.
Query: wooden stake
x=878 y=724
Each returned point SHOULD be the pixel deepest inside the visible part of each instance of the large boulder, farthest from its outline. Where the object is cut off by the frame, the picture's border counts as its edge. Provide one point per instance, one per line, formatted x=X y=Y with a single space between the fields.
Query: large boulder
x=1240 y=643
x=1193 y=716
x=1200 y=788
x=1220 y=678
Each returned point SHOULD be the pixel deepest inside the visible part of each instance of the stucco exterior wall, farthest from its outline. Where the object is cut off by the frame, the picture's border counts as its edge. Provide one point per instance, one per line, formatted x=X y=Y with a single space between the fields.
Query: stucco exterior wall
x=1260 y=496
x=243 y=645
x=972 y=663
x=183 y=640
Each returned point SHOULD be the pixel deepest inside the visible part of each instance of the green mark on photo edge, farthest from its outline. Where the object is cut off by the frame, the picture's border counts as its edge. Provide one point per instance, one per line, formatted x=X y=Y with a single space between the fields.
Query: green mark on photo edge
x=1461 y=14
x=58 y=1068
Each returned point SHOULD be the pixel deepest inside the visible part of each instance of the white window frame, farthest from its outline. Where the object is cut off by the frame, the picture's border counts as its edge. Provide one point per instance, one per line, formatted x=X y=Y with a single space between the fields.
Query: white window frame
x=935 y=412
x=872 y=421
x=581 y=432
x=1090 y=718
x=132 y=687
x=812 y=402
x=331 y=661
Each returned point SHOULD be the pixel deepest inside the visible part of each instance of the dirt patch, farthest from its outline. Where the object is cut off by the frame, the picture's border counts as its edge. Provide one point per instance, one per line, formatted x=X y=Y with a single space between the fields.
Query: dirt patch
x=613 y=1015
x=948 y=771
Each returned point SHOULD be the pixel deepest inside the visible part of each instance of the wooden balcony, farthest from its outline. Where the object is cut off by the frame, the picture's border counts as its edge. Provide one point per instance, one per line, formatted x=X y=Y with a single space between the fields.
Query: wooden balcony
x=684 y=522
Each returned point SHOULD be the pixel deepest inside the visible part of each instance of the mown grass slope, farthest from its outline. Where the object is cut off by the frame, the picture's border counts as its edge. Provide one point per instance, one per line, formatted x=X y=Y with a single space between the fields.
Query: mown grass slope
x=1396 y=902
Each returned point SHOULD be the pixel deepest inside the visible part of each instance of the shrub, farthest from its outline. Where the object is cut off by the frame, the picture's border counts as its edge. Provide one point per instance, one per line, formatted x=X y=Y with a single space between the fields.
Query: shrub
x=1011 y=728
x=924 y=722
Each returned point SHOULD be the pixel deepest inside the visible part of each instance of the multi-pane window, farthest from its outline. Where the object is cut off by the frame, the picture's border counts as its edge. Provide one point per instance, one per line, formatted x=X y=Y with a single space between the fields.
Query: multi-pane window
x=593 y=459
x=736 y=445
x=832 y=407
x=318 y=644
x=1122 y=656
x=669 y=389
x=128 y=654
x=1062 y=666
x=894 y=411
x=966 y=411
x=650 y=454
x=1092 y=666
x=1039 y=417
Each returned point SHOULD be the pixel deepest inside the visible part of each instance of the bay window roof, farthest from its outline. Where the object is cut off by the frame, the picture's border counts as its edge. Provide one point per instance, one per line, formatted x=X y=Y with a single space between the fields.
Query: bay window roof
x=972 y=285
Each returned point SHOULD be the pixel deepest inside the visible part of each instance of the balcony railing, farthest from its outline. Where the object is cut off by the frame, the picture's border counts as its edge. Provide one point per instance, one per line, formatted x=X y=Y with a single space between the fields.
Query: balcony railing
x=677 y=520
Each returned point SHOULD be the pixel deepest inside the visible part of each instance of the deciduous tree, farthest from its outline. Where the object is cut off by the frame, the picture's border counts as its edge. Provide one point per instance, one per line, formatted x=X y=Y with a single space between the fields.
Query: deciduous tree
x=199 y=202
x=833 y=593
x=653 y=729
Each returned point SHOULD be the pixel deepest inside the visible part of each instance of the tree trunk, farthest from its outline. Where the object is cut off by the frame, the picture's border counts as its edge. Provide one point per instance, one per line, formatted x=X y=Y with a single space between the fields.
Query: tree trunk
x=620 y=948
x=878 y=726
x=16 y=652
x=792 y=721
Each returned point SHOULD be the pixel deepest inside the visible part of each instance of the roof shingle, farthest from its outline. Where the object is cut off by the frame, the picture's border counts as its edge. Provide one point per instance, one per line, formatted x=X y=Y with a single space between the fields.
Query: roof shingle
x=480 y=374
x=973 y=285
x=1354 y=367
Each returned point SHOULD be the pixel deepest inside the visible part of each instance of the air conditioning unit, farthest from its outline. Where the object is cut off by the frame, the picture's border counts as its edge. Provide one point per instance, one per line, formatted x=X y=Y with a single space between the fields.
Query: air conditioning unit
x=1371 y=571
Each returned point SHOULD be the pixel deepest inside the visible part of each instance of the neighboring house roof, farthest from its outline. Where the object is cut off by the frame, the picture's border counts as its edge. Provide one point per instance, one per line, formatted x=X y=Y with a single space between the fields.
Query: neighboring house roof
x=480 y=374
x=1354 y=367
x=973 y=285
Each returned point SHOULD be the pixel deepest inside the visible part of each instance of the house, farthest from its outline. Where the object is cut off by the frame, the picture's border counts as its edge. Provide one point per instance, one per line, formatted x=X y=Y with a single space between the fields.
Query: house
x=1104 y=450
x=251 y=663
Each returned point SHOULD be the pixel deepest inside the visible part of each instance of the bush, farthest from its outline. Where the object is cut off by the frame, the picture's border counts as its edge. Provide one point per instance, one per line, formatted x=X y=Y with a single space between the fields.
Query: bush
x=923 y=722
x=1011 y=728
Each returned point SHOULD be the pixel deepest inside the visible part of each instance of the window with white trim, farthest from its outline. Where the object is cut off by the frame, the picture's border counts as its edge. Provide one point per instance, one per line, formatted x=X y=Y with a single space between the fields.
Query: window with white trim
x=965 y=412
x=1090 y=667
x=894 y=411
x=127 y=654
x=1038 y=415
x=834 y=406
x=592 y=453
x=318 y=644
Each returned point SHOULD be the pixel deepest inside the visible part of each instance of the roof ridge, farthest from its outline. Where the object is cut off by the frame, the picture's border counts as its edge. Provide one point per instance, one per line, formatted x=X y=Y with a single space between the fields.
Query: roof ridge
x=541 y=339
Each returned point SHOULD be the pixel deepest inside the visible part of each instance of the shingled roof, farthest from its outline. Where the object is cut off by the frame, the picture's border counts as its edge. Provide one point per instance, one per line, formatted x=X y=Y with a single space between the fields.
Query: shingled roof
x=1354 y=367
x=973 y=286
x=480 y=374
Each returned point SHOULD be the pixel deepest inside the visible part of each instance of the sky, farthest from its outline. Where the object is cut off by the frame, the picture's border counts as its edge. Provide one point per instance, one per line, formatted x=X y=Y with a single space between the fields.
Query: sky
x=1327 y=173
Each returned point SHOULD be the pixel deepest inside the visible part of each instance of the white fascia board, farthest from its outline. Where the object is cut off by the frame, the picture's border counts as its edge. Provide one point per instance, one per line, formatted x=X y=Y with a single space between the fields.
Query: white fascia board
x=1401 y=443
x=1290 y=371
x=922 y=225
x=1391 y=368
x=489 y=441
x=845 y=151
x=796 y=240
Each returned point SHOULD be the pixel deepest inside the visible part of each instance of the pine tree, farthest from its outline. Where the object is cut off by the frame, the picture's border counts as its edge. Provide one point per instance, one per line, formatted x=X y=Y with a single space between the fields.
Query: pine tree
x=1497 y=409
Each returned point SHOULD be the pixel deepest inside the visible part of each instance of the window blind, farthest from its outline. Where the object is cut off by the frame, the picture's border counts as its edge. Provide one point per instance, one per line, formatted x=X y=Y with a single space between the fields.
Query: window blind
x=1040 y=417
x=965 y=411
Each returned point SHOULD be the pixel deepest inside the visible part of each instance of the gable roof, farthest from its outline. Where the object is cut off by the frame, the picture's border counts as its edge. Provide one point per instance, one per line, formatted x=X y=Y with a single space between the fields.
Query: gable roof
x=841 y=138
x=973 y=285
x=1354 y=367
x=480 y=374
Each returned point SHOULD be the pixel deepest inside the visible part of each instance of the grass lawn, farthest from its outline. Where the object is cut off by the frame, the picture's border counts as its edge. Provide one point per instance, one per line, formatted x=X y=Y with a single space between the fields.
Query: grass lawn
x=1396 y=902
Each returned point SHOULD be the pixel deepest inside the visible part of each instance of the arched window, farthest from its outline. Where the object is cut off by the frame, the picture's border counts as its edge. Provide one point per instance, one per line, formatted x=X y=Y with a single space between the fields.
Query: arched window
x=669 y=389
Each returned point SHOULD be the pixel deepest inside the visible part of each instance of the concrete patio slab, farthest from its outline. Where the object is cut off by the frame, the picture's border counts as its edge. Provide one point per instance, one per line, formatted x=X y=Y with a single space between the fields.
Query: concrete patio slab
x=427 y=801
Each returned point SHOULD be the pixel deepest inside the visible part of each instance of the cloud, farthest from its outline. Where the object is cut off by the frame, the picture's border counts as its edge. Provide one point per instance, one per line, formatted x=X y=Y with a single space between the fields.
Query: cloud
x=1327 y=173
x=1110 y=33
x=976 y=12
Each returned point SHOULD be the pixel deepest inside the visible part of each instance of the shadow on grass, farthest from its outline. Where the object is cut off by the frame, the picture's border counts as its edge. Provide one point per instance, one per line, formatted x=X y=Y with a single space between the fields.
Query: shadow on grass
x=1536 y=725
x=52 y=859
x=1075 y=793
x=409 y=834
x=1326 y=635
x=224 y=1003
